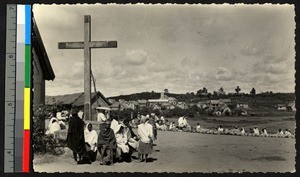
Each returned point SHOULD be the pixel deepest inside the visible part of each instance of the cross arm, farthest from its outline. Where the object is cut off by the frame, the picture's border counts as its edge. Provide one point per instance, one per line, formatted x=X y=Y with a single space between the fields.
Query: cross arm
x=92 y=44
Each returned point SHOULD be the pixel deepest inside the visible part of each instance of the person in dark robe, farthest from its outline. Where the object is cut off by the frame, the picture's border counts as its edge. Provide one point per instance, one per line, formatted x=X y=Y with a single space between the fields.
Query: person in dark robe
x=106 y=144
x=153 y=123
x=75 y=137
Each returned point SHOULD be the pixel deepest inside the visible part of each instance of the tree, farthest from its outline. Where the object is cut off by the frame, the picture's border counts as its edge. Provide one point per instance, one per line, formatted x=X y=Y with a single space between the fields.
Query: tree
x=166 y=90
x=221 y=89
x=253 y=91
x=209 y=95
x=204 y=90
x=215 y=94
x=238 y=89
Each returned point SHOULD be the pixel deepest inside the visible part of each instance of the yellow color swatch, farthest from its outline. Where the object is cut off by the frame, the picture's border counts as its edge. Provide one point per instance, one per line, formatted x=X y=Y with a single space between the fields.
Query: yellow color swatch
x=26 y=108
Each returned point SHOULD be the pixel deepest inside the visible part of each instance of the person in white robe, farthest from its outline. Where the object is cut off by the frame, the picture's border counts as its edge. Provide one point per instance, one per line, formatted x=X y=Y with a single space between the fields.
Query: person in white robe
x=287 y=133
x=115 y=125
x=280 y=133
x=53 y=126
x=198 y=128
x=91 y=139
x=255 y=131
x=146 y=136
x=220 y=129
x=264 y=132
x=182 y=122
x=162 y=119
x=242 y=131
x=101 y=116
x=122 y=144
x=172 y=126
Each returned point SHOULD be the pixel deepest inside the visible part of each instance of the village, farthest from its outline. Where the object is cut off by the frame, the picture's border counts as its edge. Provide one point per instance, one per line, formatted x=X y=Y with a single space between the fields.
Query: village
x=159 y=106
x=236 y=106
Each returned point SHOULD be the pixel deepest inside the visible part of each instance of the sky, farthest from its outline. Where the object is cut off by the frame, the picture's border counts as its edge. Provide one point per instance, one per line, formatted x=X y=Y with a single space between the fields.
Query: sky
x=179 y=47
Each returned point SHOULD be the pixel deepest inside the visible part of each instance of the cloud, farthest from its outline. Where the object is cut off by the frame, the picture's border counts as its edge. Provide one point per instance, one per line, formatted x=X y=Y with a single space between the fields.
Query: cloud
x=224 y=74
x=180 y=47
x=136 y=57
x=272 y=65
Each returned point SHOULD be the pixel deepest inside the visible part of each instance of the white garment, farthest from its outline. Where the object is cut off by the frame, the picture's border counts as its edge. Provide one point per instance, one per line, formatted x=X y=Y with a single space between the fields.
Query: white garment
x=91 y=137
x=115 y=125
x=280 y=133
x=132 y=142
x=162 y=119
x=171 y=126
x=242 y=131
x=287 y=133
x=53 y=126
x=145 y=132
x=264 y=132
x=198 y=128
x=58 y=115
x=80 y=114
x=256 y=131
x=101 y=117
x=220 y=129
x=122 y=142
x=182 y=122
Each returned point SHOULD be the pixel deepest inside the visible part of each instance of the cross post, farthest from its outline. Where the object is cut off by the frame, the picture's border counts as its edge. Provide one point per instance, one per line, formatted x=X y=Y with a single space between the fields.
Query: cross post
x=87 y=45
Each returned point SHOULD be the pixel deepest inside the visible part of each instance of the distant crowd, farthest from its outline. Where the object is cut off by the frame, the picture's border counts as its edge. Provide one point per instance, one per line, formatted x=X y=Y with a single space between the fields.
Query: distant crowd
x=183 y=125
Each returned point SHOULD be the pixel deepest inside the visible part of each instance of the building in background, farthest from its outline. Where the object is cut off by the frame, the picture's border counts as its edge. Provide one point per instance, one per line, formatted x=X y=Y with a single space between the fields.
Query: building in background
x=42 y=69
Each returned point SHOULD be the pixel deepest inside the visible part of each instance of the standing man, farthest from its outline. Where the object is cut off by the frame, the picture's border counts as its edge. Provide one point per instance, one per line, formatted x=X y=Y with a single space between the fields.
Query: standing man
x=75 y=138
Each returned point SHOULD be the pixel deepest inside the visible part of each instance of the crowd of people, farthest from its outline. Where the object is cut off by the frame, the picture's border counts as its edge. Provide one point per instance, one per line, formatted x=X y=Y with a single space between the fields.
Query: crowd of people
x=115 y=142
x=183 y=125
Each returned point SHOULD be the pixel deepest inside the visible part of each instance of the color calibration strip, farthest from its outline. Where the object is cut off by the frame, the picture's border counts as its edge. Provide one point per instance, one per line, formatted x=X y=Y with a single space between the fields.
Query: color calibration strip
x=27 y=96
x=22 y=120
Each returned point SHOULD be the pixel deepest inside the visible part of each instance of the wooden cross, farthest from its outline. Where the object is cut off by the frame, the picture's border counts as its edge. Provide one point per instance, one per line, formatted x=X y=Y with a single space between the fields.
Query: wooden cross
x=87 y=45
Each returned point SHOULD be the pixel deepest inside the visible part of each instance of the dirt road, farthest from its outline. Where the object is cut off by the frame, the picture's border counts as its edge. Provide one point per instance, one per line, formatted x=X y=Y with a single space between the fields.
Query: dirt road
x=194 y=152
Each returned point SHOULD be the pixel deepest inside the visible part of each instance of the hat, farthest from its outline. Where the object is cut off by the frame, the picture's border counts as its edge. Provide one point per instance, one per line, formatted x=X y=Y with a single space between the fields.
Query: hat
x=74 y=111
x=103 y=108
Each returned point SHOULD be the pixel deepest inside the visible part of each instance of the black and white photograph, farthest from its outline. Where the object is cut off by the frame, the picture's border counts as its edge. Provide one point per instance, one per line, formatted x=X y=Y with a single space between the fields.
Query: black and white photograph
x=163 y=88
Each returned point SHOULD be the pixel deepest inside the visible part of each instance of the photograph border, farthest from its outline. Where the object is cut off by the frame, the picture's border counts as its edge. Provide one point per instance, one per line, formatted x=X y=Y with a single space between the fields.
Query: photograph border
x=2 y=74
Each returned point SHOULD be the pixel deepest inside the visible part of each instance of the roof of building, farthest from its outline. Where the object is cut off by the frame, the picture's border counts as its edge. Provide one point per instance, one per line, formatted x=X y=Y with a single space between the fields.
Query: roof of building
x=115 y=105
x=142 y=101
x=214 y=101
x=225 y=100
x=76 y=99
x=158 y=100
x=134 y=102
x=39 y=48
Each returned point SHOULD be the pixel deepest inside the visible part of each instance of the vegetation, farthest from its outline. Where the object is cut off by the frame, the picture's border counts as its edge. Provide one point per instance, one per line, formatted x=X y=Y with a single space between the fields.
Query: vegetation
x=43 y=143
x=257 y=98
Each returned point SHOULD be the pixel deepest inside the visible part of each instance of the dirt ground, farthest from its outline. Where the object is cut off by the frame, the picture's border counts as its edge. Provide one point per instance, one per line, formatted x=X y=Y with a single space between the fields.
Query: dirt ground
x=195 y=152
